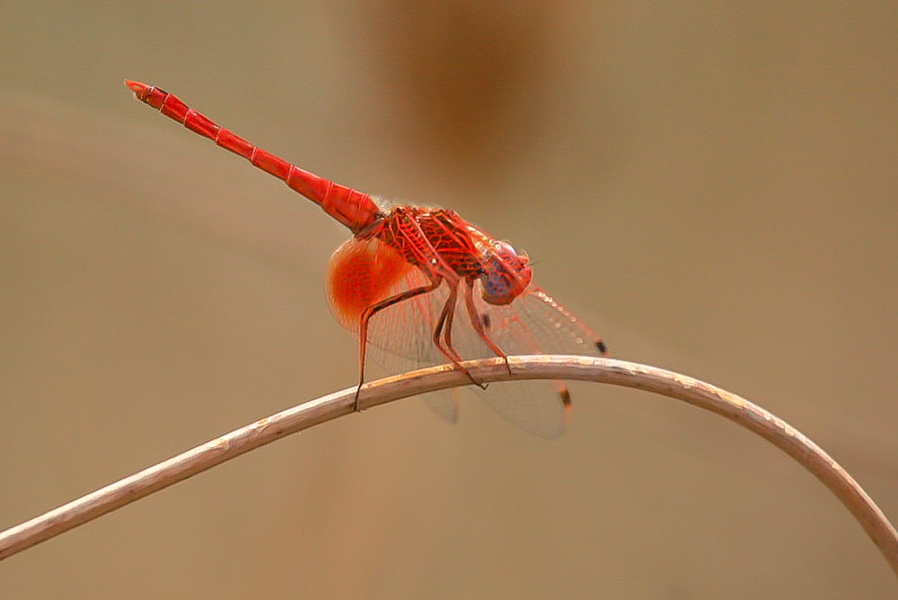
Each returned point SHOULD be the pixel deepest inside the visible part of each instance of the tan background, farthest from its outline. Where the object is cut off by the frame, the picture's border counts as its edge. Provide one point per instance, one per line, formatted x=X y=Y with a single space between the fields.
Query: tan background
x=711 y=186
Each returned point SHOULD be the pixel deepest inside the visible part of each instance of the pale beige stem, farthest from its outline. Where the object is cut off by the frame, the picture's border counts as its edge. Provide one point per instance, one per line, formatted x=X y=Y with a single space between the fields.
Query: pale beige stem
x=600 y=370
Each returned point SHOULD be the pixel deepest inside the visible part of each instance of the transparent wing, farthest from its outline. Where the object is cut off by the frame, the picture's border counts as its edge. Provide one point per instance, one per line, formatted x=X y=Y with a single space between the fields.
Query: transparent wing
x=535 y=323
x=401 y=337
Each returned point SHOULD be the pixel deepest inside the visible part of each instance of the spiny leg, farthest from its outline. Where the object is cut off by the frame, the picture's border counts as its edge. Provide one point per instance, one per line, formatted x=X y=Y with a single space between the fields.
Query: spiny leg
x=447 y=315
x=374 y=309
x=478 y=325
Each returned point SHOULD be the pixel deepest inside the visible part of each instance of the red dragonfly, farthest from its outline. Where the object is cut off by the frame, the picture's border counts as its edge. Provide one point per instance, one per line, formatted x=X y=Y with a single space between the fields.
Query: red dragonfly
x=422 y=286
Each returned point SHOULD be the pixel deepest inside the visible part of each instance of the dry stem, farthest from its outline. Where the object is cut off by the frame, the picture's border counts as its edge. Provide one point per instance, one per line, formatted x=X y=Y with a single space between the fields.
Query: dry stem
x=303 y=416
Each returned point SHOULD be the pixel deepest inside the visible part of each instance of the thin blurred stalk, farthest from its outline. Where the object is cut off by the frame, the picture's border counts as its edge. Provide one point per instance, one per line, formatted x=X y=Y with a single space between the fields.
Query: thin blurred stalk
x=616 y=372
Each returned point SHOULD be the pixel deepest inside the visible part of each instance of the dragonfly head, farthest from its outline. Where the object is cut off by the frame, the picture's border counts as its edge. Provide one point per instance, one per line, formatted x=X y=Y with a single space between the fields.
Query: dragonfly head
x=506 y=274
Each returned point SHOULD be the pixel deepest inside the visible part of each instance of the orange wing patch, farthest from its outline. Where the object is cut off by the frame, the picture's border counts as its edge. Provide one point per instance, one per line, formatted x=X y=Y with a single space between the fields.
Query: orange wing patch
x=360 y=274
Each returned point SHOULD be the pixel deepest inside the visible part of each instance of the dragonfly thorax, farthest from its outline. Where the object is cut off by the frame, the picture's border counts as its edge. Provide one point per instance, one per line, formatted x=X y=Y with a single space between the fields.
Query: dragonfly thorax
x=506 y=274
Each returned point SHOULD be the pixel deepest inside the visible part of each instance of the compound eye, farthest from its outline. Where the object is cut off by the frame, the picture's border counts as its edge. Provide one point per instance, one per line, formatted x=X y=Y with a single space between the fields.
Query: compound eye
x=505 y=275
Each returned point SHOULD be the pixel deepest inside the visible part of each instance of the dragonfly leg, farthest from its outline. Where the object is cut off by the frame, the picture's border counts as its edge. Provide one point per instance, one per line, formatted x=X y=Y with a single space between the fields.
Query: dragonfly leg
x=477 y=324
x=444 y=323
x=373 y=310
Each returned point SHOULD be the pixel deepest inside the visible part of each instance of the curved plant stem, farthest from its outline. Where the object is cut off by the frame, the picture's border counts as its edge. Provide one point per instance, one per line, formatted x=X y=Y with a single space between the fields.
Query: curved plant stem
x=616 y=372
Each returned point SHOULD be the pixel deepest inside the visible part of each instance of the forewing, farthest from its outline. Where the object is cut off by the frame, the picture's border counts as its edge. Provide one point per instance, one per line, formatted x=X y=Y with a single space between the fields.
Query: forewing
x=535 y=323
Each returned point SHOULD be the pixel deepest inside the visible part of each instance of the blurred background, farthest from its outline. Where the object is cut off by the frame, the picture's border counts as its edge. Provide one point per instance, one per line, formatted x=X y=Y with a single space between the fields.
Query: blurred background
x=711 y=186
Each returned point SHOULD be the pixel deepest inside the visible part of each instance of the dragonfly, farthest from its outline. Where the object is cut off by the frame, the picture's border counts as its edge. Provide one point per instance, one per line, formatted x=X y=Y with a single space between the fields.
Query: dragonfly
x=422 y=286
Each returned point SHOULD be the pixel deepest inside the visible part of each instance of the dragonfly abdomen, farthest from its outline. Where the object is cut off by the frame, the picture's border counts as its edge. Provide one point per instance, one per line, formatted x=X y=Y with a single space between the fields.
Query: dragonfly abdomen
x=350 y=207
